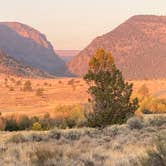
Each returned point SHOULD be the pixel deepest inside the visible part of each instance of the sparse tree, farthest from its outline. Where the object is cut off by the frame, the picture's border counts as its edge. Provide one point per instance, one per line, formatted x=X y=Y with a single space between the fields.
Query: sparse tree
x=110 y=94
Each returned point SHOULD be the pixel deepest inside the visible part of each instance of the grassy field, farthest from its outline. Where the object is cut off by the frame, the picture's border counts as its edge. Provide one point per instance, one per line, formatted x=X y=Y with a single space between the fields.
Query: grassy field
x=63 y=91
x=124 y=145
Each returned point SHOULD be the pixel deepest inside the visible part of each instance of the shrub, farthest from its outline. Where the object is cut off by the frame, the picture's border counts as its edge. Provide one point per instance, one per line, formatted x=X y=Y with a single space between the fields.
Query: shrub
x=157 y=156
x=27 y=86
x=39 y=92
x=60 y=82
x=135 y=123
x=72 y=135
x=110 y=94
x=18 y=83
x=11 y=89
x=24 y=123
x=17 y=138
x=143 y=91
x=46 y=84
x=12 y=80
x=36 y=126
x=70 y=115
x=11 y=125
x=34 y=137
x=70 y=122
x=44 y=157
x=157 y=121
x=47 y=123
x=2 y=124
x=55 y=134
x=71 y=82
x=152 y=105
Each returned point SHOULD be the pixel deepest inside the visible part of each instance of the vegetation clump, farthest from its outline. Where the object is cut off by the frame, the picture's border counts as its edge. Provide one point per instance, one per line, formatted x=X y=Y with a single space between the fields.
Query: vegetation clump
x=143 y=91
x=152 y=104
x=135 y=123
x=36 y=126
x=27 y=86
x=157 y=156
x=110 y=94
x=39 y=92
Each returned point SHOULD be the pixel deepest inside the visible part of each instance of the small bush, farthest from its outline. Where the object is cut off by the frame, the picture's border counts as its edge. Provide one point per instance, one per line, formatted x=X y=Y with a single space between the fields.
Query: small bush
x=11 y=89
x=11 y=125
x=135 y=123
x=60 y=82
x=157 y=156
x=36 y=126
x=24 y=123
x=157 y=121
x=71 y=115
x=12 y=80
x=72 y=135
x=39 y=92
x=71 y=82
x=34 y=137
x=143 y=91
x=18 y=83
x=17 y=138
x=46 y=84
x=27 y=86
x=44 y=157
x=152 y=105
x=2 y=124
x=55 y=134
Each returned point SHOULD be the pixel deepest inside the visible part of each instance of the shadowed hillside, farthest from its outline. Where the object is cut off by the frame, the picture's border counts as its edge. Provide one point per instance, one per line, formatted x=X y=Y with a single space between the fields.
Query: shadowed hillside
x=138 y=46
x=29 y=46
x=10 y=66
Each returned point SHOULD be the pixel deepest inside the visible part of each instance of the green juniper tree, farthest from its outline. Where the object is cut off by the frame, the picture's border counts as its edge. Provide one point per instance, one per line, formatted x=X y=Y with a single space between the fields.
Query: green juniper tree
x=110 y=94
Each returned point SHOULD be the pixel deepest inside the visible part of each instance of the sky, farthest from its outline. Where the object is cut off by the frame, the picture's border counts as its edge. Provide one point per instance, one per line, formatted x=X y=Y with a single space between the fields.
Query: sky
x=73 y=24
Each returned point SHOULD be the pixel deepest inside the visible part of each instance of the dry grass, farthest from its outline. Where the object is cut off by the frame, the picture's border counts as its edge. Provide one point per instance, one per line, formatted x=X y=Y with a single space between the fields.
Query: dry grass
x=112 y=146
x=56 y=92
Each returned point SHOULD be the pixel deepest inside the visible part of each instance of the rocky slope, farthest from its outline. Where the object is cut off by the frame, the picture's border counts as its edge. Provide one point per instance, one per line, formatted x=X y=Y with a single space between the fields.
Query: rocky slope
x=29 y=46
x=138 y=46
x=10 y=66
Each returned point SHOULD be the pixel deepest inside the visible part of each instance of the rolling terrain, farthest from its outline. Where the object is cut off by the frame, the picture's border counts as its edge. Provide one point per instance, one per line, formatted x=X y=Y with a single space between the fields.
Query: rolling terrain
x=138 y=46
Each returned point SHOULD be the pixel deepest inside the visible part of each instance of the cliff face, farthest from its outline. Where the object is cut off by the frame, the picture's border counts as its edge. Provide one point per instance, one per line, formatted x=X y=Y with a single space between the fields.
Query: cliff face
x=29 y=46
x=138 y=46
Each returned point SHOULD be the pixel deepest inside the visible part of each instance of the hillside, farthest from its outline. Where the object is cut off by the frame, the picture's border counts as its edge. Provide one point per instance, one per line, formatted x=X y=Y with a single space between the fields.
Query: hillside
x=138 y=46
x=10 y=66
x=29 y=46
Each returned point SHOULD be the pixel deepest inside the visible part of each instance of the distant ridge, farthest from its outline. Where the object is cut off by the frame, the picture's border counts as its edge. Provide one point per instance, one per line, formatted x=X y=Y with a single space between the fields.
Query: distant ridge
x=138 y=46
x=67 y=55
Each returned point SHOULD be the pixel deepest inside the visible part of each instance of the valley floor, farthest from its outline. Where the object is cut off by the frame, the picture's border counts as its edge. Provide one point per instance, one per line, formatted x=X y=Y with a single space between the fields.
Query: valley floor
x=60 y=91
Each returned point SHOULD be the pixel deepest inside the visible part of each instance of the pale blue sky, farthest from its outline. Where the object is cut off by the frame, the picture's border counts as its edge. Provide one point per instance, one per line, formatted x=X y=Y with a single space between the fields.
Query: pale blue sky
x=72 y=24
